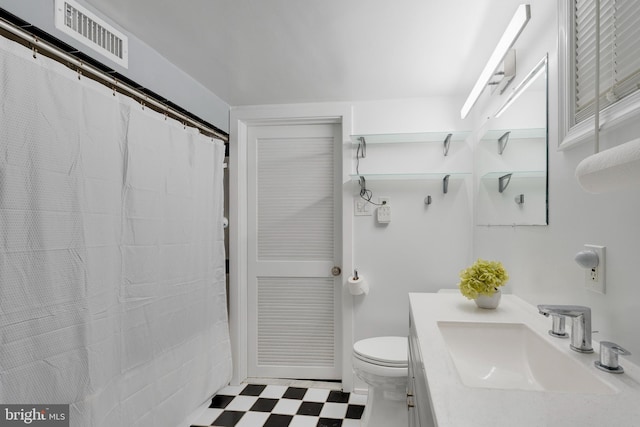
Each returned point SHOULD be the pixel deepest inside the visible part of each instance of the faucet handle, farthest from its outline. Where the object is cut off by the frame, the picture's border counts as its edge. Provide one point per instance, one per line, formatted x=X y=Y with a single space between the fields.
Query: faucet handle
x=557 y=326
x=609 y=352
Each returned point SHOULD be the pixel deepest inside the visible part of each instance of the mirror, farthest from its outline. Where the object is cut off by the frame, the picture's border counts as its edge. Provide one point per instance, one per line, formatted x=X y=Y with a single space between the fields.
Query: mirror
x=511 y=157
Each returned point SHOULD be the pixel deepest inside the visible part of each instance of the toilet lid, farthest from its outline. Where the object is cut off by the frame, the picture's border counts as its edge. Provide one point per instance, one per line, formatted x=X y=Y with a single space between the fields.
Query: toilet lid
x=388 y=351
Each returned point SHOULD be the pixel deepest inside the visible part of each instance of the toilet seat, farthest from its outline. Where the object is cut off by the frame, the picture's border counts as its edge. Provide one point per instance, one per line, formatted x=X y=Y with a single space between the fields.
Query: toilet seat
x=382 y=363
x=383 y=351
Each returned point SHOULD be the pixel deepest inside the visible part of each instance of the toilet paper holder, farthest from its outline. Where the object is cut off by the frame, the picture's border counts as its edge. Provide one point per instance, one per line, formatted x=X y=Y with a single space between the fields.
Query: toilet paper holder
x=357 y=285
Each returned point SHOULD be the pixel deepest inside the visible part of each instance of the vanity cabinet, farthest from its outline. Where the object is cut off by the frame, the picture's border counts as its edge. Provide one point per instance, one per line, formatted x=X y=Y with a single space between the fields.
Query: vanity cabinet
x=418 y=398
x=469 y=370
x=414 y=420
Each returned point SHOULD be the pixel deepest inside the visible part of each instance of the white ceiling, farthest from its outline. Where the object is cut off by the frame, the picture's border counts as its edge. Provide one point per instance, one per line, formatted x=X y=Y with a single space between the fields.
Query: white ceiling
x=288 y=51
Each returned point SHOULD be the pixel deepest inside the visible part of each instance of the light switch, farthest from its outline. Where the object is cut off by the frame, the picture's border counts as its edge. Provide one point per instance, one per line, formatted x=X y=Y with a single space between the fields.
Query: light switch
x=361 y=207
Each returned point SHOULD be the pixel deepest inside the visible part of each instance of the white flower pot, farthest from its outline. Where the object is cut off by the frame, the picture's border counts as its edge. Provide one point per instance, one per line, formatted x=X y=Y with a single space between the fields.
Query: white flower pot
x=489 y=302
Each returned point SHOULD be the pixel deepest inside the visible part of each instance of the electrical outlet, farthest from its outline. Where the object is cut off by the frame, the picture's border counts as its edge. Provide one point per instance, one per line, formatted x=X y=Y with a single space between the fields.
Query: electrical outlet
x=361 y=207
x=384 y=214
x=594 y=278
x=384 y=210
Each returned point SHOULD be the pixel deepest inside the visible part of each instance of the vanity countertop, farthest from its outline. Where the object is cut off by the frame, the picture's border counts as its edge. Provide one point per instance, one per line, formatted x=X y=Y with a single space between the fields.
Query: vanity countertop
x=457 y=405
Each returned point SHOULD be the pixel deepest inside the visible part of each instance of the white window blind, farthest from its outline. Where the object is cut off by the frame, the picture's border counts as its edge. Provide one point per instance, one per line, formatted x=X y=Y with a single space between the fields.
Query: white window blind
x=619 y=53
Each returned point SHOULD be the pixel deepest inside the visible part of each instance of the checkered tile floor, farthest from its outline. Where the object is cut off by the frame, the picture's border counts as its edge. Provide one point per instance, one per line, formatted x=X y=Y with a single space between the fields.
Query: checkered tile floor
x=256 y=405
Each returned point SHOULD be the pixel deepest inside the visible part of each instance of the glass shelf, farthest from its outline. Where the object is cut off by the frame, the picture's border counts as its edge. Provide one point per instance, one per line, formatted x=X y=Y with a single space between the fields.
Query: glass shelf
x=516 y=174
x=533 y=133
x=420 y=137
x=408 y=176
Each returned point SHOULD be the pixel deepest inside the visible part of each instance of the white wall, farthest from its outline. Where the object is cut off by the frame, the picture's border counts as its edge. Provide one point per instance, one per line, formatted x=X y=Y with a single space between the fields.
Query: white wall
x=540 y=259
x=146 y=66
x=424 y=247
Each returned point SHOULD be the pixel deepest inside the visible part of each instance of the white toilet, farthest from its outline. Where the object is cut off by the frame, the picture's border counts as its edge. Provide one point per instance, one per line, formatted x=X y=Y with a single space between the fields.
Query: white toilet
x=382 y=363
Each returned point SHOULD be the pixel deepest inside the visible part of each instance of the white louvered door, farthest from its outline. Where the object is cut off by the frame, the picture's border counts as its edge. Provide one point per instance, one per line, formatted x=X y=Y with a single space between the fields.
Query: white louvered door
x=293 y=239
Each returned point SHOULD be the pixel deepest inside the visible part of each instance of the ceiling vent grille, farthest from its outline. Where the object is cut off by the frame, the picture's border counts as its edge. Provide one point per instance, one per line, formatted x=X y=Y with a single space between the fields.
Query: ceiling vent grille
x=85 y=26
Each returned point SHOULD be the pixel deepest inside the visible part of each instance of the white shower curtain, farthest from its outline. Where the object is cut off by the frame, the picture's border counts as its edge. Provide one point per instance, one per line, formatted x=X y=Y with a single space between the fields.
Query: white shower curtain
x=112 y=274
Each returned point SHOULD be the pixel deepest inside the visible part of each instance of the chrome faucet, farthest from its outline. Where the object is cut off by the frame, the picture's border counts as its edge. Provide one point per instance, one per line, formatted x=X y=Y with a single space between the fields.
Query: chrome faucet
x=580 y=323
x=609 y=352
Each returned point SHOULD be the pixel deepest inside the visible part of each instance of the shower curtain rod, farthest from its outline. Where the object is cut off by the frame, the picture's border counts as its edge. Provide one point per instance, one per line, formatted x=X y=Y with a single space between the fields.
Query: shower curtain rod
x=59 y=54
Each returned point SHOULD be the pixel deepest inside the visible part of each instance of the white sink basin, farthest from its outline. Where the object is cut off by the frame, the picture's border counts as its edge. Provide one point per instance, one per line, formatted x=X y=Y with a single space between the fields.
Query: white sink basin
x=512 y=356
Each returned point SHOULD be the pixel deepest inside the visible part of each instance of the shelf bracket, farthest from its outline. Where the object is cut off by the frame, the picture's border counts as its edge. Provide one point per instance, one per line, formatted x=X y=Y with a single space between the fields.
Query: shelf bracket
x=445 y=184
x=502 y=142
x=362 y=147
x=503 y=182
x=447 y=144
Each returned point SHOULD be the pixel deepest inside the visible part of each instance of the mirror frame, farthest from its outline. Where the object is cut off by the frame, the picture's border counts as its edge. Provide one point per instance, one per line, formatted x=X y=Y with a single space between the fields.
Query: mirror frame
x=541 y=69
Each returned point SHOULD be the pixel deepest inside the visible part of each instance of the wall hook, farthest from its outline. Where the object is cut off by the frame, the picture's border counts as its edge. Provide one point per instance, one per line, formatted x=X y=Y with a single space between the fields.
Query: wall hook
x=427 y=200
x=519 y=199
x=445 y=184
x=502 y=142
x=503 y=182
x=447 y=144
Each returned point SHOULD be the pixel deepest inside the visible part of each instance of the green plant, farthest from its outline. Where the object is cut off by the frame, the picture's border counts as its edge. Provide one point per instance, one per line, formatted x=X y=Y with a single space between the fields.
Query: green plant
x=483 y=277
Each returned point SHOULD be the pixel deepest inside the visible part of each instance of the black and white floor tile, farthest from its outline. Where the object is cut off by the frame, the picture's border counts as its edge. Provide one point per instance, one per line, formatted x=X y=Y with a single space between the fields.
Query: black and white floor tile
x=260 y=405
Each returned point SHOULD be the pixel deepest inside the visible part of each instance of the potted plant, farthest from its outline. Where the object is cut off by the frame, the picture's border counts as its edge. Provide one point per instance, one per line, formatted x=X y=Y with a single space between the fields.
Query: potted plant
x=481 y=282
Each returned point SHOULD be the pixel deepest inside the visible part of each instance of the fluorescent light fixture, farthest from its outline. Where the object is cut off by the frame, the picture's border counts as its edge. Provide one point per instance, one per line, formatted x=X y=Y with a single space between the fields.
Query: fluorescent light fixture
x=504 y=75
x=524 y=84
x=515 y=27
